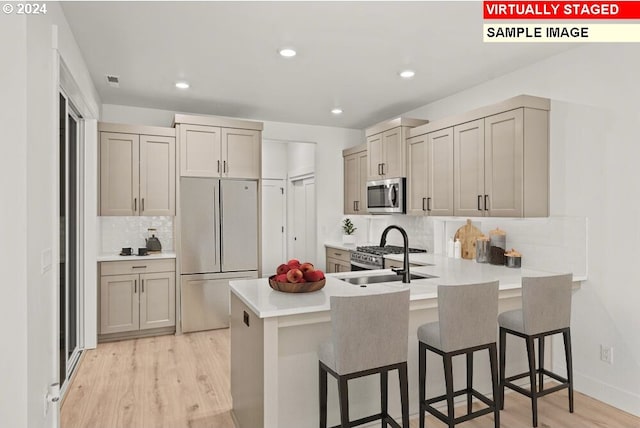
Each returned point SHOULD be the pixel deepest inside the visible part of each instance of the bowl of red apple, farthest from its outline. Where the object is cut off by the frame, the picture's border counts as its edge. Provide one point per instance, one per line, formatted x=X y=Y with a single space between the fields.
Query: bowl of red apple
x=296 y=277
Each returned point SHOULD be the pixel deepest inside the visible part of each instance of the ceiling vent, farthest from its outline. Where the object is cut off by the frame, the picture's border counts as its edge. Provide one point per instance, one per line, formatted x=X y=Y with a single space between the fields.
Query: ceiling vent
x=113 y=81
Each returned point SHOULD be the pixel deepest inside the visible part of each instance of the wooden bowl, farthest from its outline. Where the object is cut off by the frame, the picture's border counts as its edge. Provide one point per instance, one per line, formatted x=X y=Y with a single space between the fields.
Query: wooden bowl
x=291 y=287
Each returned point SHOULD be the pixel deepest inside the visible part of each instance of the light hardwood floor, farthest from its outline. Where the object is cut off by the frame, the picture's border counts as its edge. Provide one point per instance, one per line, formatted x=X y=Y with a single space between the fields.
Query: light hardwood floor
x=183 y=381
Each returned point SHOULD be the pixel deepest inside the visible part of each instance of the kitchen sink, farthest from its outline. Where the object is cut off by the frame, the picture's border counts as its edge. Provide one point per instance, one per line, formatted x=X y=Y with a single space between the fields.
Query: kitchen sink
x=387 y=277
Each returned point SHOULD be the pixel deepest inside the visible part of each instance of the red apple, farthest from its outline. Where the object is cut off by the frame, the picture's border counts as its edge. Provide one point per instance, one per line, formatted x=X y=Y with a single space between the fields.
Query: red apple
x=301 y=280
x=293 y=262
x=281 y=278
x=282 y=269
x=314 y=276
x=294 y=275
x=306 y=267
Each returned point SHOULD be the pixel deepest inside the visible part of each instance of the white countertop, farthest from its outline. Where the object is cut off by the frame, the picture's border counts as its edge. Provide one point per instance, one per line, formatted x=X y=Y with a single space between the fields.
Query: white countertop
x=266 y=302
x=118 y=258
x=341 y=246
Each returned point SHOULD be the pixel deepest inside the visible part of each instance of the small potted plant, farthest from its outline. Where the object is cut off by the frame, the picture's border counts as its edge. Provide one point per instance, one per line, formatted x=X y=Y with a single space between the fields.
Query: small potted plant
x=349 y=229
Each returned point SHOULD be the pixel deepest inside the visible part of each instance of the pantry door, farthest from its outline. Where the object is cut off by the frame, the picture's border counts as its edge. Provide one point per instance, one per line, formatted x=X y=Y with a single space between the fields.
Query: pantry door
x=274 y=219
x=303 y=233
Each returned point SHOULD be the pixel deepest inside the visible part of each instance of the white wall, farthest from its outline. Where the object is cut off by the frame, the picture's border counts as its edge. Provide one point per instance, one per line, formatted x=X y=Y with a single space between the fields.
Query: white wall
x=594 y=153
x=30 y=360
x=329 y=145
x=275 y=159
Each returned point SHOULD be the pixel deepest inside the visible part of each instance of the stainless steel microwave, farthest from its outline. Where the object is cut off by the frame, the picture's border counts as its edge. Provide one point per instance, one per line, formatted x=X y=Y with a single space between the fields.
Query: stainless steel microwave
x=386 y=196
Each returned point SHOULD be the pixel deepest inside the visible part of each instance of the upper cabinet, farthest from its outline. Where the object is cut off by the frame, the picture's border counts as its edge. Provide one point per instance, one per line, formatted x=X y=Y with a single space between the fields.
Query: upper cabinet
x=386 y=148
x=500 y=161
x=219 y=147
x=137 y=170
x=430 y=173
x=355 y=179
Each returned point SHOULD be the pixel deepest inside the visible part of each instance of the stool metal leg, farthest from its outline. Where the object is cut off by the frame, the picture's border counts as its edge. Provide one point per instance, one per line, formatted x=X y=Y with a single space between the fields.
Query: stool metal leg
x=448 y=380
x=503 y=351
x=531 y=355
x=469 y=380
x=343 y=395
x=566 y=335
x=493 y=358
x=384 y=375
x=323 y=397
x=404 y=394
x=541 y=362
x=422 y=372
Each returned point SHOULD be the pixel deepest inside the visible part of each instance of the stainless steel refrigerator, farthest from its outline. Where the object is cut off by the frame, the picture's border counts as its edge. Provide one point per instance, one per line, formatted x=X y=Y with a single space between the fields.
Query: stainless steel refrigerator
x=218 y=242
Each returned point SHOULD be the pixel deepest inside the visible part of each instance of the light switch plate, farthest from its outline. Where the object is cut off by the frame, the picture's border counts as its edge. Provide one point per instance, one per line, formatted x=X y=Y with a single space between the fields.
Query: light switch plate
x=45 y=260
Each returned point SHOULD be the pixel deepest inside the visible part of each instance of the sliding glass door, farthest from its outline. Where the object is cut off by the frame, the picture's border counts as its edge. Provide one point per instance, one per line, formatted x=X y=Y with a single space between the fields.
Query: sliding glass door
x=71 y=232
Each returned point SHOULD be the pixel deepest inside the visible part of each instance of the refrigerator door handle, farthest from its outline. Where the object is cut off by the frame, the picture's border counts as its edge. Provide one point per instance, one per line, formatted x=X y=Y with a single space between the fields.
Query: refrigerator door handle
x=217 y=225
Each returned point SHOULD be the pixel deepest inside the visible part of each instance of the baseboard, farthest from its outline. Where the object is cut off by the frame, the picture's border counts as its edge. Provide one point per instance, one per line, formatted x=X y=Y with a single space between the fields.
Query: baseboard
x=619 y=398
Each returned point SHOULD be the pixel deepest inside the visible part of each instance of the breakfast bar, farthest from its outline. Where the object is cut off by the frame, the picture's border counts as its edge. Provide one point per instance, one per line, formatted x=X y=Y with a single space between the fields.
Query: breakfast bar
x=275 y=337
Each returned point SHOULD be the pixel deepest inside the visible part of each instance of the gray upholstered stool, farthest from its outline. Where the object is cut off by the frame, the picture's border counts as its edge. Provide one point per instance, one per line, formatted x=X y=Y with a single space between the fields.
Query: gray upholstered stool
x=546 y=310
x=369 y=336
x=467 y=323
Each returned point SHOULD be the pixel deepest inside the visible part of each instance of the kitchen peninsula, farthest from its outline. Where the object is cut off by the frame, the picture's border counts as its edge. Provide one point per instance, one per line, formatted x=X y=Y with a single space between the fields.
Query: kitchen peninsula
x=275 y=337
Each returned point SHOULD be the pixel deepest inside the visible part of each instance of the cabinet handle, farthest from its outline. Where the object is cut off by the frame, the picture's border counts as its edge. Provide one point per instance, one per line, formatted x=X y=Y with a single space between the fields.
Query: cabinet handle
x=224 y=167
x=486 y=202
x=142 y=205
x=138 y=267
x=336 y=268
x=382 y=164
x=135 y=204
x=423 y=201
x=142 y=285
x=135 y=286
x=479 y=201
x=218 y=166
x=355 y=206
x=337 y=254
x=429 y=204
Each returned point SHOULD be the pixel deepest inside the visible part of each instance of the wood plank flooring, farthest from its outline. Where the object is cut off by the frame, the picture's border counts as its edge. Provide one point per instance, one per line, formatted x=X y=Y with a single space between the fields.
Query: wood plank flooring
x=183 y=381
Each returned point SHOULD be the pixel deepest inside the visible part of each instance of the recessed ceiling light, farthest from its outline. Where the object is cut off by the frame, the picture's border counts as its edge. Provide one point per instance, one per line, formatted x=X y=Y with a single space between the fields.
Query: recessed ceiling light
x=287 y=52
x=407 y=74
x=182 y=85
x=336 y=111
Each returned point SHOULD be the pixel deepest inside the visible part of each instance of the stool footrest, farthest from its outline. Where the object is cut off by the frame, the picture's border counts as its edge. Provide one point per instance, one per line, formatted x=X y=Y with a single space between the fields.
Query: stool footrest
x=437 y=413
x=372 y=418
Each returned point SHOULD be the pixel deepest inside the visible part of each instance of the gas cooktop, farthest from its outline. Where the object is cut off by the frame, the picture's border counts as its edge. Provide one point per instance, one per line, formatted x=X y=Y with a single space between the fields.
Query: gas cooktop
x=387 y=249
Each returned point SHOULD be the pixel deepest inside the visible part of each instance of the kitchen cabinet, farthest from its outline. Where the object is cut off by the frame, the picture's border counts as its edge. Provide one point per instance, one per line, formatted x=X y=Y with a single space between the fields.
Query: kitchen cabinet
x=430 y=173
x=137 y=170
x=136 y=296
x=337 y=260
x=219 y=147
x=386 y=148
x=500 y=160
x=396 y=264
x=355 y=180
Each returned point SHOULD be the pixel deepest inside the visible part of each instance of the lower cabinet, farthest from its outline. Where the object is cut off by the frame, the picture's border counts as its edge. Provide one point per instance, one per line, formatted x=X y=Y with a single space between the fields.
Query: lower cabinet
x=337 y=260
x=388 y=264
x=137 y=296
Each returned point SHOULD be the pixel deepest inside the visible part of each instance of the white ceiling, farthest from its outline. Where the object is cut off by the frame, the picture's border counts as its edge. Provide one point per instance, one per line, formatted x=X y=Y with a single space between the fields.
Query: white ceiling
x=349 y=55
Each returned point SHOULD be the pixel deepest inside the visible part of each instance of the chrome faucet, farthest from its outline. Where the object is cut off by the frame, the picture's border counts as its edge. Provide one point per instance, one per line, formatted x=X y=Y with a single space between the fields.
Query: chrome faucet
x=406 y=278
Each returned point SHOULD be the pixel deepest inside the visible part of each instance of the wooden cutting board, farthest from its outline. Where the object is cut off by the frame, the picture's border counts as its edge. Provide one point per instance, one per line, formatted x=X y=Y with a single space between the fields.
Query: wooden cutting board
x=468 y=234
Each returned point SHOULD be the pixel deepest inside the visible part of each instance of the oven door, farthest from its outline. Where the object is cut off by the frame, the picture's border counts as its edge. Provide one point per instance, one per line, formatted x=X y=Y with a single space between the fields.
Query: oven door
x=356 y=266
x=386 y=196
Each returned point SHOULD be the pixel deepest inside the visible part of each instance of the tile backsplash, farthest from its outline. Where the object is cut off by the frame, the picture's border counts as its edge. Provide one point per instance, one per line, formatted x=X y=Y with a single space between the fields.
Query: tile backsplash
x=370 y=228
x=118 y=232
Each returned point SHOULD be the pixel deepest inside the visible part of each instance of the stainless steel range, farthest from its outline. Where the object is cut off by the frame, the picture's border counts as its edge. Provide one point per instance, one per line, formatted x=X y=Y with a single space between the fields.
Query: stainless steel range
x=372 y=257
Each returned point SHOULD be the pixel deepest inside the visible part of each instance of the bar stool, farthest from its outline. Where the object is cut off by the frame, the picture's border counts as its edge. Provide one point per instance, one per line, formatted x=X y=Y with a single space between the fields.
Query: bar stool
x=546 y=310
x=467 y=323
x=369 y=336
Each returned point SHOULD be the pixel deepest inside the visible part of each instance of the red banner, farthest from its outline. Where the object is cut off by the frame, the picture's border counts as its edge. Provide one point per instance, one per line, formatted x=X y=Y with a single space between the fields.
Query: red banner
x=581 y=10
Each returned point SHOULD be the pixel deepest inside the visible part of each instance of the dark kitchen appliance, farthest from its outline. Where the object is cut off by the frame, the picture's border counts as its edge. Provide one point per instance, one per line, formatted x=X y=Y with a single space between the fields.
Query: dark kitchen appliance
x=372 y=256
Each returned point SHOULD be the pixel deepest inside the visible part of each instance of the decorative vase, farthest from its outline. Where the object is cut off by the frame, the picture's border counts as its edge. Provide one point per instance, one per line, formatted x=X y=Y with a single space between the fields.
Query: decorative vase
x=349 y=239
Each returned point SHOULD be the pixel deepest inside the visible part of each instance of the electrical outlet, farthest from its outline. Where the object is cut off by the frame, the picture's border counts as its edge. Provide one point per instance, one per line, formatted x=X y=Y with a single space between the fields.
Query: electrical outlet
x=606 y=354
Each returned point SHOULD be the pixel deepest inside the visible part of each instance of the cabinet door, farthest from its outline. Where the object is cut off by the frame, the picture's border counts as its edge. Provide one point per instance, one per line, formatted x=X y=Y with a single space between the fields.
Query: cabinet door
x=417 y=175
x=335 y=265
x=351 y=183
x=393 y=153
x=157 y=175
x=440 y=172
x=119 y=175
x=504 y=164
x=241 y=153
x=119 y=307
x=200 y=151
x=361 y=202
x=157 y=300
x=468 y=194
x=375 y=154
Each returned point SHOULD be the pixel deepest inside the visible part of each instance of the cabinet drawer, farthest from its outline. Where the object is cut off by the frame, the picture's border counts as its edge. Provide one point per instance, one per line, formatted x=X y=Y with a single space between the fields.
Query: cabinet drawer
x=335 y=265
x=336 y=253
x=137 y=266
